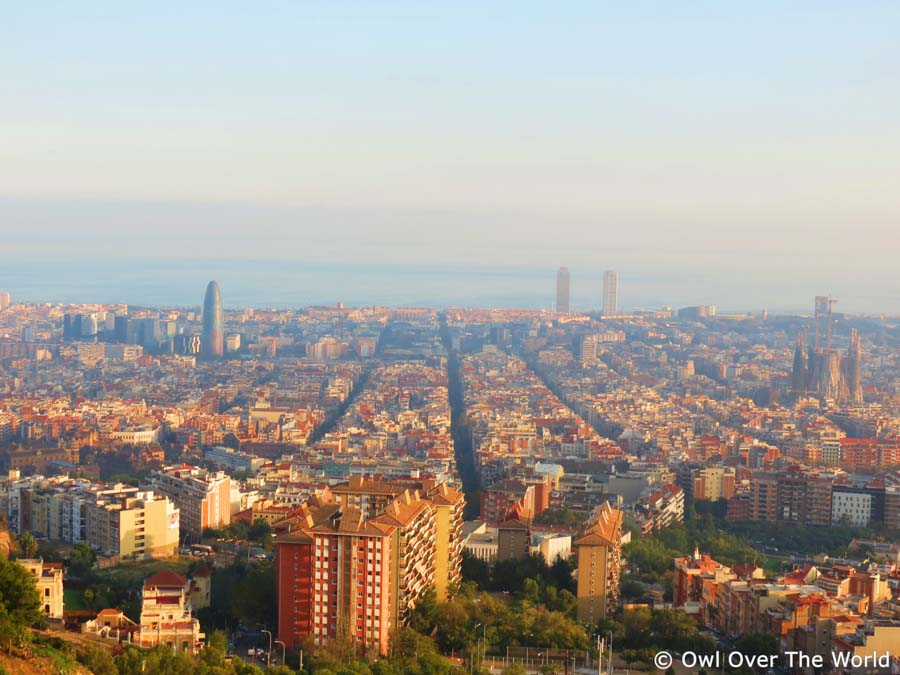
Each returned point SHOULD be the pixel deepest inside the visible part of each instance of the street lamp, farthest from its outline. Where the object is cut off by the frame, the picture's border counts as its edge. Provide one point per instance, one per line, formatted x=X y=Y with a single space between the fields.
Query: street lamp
x=283 y=652
x=268 y=653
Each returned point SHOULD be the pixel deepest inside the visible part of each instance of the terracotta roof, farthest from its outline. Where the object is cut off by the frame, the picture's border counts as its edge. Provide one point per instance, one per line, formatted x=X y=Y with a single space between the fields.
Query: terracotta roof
x=403 y=510
x=603 y=527
x=165 y=579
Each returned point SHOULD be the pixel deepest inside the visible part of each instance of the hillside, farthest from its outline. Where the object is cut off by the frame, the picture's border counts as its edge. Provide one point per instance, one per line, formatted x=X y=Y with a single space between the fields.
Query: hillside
x=47 y=663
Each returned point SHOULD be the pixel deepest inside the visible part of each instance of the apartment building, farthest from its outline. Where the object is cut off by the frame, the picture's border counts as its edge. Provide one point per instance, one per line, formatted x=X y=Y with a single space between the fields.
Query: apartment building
x=514 y=535
x=373 y=497
x=333 y=578
x=714 y=482
x=202 y=497
x=449 y=504
x=599 y=550
x=412 y=571
x=791 y=497
x=133 y=524
x=117 y=520
x=497 y=499
x=358 y=557
x=232 y=459
x=817 y=498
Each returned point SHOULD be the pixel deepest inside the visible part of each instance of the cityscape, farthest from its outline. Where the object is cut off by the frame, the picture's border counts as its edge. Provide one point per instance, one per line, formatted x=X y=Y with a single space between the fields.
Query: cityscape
x=449 y=338
x=207 y=480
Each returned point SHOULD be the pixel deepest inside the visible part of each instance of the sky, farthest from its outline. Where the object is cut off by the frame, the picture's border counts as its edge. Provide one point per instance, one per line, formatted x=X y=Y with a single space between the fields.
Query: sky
x=753 y=146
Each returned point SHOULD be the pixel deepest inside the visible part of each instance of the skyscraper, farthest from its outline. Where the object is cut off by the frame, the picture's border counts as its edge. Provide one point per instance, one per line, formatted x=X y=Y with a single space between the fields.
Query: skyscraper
x=798 y=372
x=4 y=299
x=610 y=293
x=212 y=341
x=853 y=375
x=562 y=290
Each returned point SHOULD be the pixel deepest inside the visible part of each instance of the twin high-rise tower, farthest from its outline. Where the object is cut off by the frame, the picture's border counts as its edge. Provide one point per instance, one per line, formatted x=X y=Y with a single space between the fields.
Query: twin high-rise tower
x=562 y=290
x=610 y=292
x=212 y=339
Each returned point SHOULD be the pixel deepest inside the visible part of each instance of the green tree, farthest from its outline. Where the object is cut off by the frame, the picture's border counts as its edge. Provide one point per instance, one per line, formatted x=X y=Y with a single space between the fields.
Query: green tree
x=514 y=669
x=259 y=529
x=81 y=559
x=279 y=670
x=424 y=616
x=27 y=545
x=160 y=661
x=254 y=599
x=20 y=604
x=384 y=667
x=244 y=668
x=212 y=657
x=631 y=589
x=239 y=529
x=757 y=644
x=98 y=662
x=636 y=623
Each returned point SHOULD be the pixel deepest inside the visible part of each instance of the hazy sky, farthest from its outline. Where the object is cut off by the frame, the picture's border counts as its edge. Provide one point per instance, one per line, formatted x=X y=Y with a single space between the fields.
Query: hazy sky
x=738 y=140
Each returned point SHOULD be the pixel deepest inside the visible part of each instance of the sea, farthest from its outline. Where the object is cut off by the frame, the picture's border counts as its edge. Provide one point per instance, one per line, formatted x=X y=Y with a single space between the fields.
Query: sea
x=285 y=284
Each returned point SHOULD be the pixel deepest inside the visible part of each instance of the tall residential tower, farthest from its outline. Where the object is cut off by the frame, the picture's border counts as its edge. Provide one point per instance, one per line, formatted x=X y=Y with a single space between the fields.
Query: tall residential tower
x=599 y=550
x=562 y=291
x=610 y=293
x=212 y=340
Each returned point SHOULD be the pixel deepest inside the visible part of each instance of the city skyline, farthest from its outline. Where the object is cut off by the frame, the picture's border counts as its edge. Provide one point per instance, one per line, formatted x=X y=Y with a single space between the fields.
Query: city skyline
x=450 y=337
x=706 y=156
x=270 y=284
x=442 y=447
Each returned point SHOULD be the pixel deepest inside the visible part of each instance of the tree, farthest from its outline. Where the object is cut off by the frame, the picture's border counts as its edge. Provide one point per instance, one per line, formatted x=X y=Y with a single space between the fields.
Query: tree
x=159 y=660
x=514 y=669
x=254 y=599
x=20 y=603
x=99 y=662
x=27 y=545
x=424 y=616
x=212 y=658
x=239 y=529
x=244 y=668
x=261 y=532
x=384 y=667
x=218 y=639
x=757 y=644
x=279 y=670
x=631 y=589
x=673 y=628
x=259 y=529
x=81 y=559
